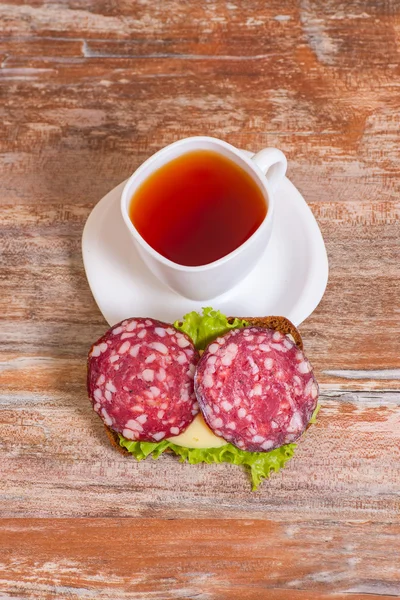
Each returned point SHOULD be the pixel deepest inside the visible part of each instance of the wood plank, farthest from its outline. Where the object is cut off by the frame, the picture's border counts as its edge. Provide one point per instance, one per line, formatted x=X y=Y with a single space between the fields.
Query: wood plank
x=213 y=559
x=326 y=96
x=57 y=461
x=48 y=302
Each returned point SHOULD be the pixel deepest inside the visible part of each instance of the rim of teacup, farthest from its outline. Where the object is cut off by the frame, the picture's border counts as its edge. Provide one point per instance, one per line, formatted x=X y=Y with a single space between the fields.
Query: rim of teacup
x=150 y=165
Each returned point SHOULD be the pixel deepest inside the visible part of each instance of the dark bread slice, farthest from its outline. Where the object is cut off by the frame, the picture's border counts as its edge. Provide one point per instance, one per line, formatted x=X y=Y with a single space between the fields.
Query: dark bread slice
x=113 y=436
x=277 y=323
x=281 y=324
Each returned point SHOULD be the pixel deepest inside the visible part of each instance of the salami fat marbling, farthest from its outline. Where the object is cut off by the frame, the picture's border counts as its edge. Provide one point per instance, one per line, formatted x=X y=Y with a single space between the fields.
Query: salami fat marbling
x=256 y=388
x=140 y=379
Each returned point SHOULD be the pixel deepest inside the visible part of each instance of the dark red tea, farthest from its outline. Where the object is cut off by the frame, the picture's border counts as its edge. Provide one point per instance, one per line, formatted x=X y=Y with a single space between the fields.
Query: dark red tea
x=197 y=208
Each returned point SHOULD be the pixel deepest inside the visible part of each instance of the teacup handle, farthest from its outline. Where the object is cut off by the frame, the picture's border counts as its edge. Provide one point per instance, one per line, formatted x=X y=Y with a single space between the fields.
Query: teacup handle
x=273 y=164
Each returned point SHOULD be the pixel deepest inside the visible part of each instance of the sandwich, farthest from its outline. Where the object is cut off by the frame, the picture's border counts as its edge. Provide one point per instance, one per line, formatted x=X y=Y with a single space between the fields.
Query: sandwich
x=207 y=388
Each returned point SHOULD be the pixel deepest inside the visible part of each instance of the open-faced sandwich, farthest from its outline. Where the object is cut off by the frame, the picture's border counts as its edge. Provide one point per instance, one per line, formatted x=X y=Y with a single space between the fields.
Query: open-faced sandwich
x=208 y=388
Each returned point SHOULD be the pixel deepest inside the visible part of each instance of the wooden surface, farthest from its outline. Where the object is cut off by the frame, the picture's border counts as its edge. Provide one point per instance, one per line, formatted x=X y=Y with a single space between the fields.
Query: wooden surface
x=89 y=89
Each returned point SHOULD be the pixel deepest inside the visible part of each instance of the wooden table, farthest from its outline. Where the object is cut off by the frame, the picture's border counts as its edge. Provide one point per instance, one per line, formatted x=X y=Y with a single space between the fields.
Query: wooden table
x=91 y=88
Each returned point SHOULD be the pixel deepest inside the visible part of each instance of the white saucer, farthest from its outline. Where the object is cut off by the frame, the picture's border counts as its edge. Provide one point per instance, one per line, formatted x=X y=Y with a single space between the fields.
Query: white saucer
x=289 y=280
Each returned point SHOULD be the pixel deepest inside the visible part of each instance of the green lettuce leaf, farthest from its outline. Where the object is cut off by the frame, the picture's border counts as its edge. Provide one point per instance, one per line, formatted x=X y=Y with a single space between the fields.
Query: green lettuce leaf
x=204 y=328
x=314 y=415
x=260 y=464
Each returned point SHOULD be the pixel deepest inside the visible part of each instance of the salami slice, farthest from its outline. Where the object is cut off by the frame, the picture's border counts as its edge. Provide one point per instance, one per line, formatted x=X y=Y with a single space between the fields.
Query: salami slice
x=140 y=379
x=256 y=388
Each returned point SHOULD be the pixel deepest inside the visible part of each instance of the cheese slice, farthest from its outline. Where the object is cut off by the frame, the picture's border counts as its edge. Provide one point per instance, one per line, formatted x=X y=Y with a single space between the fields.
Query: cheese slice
x=198 y=435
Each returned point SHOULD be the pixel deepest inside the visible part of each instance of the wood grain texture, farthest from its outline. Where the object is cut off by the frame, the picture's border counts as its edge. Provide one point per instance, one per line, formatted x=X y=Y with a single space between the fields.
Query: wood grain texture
x=57 y=461
x=88 y=90
x=72 y=559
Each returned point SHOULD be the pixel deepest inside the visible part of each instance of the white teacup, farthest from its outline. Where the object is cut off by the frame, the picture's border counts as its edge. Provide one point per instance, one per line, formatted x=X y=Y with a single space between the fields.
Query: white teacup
x=267 y=168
